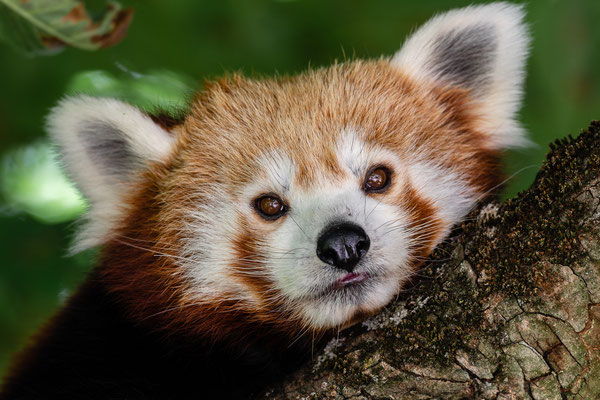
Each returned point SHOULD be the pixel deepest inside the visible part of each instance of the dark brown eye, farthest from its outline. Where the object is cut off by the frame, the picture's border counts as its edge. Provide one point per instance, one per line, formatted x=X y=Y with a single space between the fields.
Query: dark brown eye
x=270 y=207
x=377 y=180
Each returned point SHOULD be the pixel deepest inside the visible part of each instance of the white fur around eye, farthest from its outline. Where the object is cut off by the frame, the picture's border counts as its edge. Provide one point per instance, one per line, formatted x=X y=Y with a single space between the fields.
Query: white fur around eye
x=358 y=156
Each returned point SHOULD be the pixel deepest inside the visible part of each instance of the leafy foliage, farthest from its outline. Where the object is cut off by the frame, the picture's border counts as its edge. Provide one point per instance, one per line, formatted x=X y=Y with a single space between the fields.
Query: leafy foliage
x=47 y=26
x=154 y=91
x=31 y=181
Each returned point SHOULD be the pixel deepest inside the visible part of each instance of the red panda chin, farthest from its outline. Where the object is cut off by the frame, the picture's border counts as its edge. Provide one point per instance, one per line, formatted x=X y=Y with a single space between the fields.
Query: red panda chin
x=346 y=306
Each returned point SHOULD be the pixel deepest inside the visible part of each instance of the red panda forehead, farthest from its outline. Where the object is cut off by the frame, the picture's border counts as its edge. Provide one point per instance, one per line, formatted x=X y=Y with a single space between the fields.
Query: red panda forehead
x=235 y=122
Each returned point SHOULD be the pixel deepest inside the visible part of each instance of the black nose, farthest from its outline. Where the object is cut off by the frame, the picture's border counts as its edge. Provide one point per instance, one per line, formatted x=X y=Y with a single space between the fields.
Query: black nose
x=343 y=245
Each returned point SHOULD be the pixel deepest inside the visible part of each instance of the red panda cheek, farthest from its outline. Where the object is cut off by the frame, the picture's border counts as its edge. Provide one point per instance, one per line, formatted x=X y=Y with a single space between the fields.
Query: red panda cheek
x=248 y=264
x=424 y=223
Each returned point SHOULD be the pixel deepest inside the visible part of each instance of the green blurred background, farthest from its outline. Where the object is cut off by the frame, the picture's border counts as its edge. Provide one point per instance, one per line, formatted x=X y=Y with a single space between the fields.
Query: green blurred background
x=173 y=46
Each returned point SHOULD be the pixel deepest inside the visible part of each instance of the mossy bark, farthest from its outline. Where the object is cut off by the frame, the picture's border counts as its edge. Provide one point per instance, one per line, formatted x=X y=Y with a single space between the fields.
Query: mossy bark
x=509 y=308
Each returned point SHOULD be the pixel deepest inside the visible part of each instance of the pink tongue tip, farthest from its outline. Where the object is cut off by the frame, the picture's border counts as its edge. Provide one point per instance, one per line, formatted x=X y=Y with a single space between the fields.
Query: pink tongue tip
x=351 y=278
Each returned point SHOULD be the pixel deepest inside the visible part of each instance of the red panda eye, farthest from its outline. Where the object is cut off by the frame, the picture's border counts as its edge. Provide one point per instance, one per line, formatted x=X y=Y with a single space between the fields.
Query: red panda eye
x=377 y=179
x=270 y=207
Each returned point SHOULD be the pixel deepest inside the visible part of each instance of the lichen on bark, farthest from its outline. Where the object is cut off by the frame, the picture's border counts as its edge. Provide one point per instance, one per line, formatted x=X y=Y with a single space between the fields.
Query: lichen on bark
x=508 y=308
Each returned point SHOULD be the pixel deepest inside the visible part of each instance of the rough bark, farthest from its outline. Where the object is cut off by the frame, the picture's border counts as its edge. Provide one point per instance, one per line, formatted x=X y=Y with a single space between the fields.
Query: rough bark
x=509 y=308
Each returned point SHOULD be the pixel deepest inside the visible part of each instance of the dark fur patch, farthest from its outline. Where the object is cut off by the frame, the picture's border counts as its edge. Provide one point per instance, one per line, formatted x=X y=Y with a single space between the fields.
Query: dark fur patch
x=167 y=121
x=107 y=148
x=93 y=350
x=465 y=56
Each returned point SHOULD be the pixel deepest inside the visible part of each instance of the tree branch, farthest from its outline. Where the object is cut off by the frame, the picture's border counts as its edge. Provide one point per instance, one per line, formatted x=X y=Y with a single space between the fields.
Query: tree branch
x=508 y=308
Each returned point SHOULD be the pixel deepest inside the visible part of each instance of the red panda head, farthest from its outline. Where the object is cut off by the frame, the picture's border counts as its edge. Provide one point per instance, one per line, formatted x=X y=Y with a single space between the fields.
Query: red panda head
x=299 y=203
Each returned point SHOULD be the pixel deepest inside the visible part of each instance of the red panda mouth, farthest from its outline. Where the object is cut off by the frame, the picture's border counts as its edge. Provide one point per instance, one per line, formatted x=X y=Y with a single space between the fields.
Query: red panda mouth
x=350 y=279
x=351 y=282
x=352 y=287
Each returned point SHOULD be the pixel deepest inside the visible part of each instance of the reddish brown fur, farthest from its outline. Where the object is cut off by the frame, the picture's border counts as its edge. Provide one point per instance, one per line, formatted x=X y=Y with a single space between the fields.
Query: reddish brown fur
x=234 y=121
x=154 y=291
x=422 y=219
x=248 y=266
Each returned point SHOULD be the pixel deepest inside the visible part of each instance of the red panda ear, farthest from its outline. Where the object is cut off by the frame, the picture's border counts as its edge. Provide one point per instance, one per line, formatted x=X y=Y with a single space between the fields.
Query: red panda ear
x=104 y=144
x=482 y=49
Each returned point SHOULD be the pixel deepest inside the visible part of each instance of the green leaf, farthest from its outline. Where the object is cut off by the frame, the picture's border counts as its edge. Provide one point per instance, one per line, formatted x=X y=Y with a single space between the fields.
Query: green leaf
x=31 y=181
x=46 y=26
x=154 y=91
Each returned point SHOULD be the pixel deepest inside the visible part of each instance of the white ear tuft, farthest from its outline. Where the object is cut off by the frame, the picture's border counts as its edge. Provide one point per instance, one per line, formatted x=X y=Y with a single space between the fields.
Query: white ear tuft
x=104 y=144
x=482 y=49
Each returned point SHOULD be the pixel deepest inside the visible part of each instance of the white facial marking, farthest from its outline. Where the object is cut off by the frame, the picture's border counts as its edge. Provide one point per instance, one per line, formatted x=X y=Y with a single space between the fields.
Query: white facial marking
x=452 y=197
x=208 y=251
x=211 y=245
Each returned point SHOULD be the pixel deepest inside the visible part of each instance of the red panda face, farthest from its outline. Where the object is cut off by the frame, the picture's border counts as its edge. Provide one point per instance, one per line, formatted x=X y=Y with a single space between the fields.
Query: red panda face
x=319 y=192
x=304 y=202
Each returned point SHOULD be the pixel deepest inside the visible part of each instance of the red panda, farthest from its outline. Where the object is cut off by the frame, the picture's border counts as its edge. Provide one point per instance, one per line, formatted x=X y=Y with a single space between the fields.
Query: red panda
x=277 y=211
